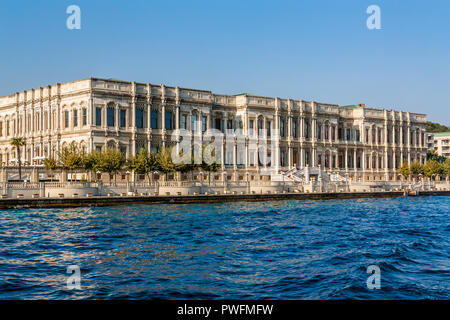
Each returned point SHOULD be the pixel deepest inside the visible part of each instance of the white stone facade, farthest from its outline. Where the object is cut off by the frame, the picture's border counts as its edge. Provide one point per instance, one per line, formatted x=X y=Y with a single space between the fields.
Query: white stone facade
x=360 y=142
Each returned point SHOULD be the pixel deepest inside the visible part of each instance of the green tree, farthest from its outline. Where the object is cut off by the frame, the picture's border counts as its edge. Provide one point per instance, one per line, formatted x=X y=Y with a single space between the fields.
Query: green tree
x=50 y=164
x=404 y=170
x=433 y=155
x=446 y=167
x=110 y=161
x=432 y=167
x=71 y=158
x=18 y=143
x=436 y=127
x=91 y=162
x=144 y=163
x=209 y=163
x=164 y=160
x=417 y=168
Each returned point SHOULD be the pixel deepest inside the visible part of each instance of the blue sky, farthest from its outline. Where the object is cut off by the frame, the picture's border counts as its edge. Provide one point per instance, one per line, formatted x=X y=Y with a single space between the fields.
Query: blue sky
x=313 y=50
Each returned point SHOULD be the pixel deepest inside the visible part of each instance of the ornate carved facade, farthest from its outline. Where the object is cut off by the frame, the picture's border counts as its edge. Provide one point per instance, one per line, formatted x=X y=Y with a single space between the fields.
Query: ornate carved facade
x=360 y=142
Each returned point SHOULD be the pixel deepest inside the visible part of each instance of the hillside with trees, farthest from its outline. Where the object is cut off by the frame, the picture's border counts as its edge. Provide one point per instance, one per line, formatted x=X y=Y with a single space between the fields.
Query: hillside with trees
x=433 y=127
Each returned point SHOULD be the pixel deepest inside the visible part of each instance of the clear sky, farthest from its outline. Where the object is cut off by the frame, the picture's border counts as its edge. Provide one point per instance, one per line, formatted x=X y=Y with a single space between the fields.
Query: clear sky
x=317 y=50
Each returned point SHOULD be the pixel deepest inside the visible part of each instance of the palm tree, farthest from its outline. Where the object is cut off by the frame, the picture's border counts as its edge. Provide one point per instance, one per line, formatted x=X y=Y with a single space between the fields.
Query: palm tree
x=18 y=142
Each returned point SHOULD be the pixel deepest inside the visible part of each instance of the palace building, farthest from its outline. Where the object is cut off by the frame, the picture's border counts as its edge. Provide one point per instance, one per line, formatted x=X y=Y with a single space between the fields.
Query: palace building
x=359 y=142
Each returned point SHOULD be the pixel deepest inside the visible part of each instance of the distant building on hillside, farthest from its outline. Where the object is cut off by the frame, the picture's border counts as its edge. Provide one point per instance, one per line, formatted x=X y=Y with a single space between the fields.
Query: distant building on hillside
x=442 y=143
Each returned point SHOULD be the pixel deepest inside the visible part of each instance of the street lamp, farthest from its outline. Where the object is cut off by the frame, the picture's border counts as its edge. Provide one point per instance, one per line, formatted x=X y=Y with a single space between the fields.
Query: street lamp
x=98 y=174
x=201 y=181
x=224 y=181
x=248 y=182
x=128 y=175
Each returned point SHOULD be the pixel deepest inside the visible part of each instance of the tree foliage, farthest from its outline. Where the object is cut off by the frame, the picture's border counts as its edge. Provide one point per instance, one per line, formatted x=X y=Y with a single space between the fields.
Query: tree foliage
x=432 y=167
x=110 y=161
x=71 y=157
x=416 y=168
x=144 y=163
x=17 y=143
x=164 y=159
x=404 y=170
x=433 y=155
x=436 y=127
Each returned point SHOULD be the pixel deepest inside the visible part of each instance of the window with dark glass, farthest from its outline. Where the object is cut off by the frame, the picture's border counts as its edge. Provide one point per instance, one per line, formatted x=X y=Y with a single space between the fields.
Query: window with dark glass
x=123 y=118
x=110 y=117
x=204 y=124
x=294 y=128
x=218 y=124
x=66 y=119
x=84 y=116
x=168 y=120
x=194 y=123
x=282 y=127
x=154 y=119
x=139 y=118
x=183 y=121
x=98 y=116
x=75 y=118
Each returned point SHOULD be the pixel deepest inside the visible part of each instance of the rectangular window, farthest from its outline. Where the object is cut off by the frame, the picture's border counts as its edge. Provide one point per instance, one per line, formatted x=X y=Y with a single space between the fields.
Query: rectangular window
x=110 y=117
x=168 y=120
x=66 y=119
x=194 y=123
x=98 y=116
x=218 y=124
x=282 y=127
x=84 y=116
x=75 y=118
x=123 y=118
x=154 y=119
x=294 y=128
x=139 y=118
x=184 y=122
x=204 y=124
x=268 y=128
x=1 y=129
x=358 y=135
x=251 y=127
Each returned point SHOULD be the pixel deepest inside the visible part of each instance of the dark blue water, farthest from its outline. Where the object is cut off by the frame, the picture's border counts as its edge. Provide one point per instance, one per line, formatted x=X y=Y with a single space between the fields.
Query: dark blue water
x=265 y=250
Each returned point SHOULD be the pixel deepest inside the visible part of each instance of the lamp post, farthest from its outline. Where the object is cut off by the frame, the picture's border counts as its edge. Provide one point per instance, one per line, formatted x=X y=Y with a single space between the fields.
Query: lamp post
x=224 y=181
x=248 y=183
x=201 y=181
x=128 y=181
x=98 y=174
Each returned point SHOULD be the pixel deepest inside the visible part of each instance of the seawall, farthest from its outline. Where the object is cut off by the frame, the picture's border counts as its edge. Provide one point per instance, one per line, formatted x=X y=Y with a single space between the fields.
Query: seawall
x=112 y=201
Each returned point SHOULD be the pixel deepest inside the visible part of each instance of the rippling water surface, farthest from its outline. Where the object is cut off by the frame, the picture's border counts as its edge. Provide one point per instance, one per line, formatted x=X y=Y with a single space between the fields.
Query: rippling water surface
x=265 y=250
